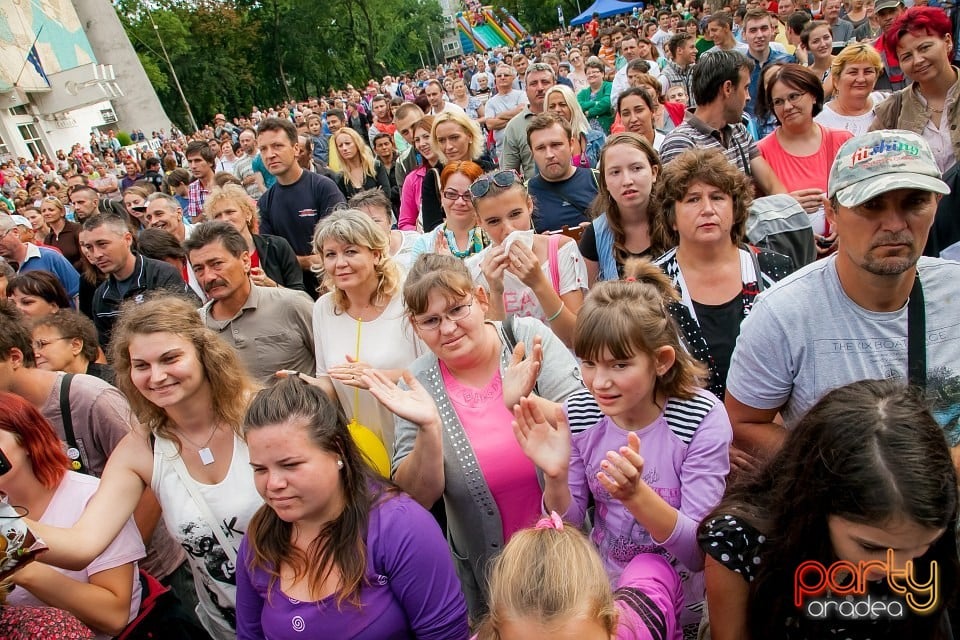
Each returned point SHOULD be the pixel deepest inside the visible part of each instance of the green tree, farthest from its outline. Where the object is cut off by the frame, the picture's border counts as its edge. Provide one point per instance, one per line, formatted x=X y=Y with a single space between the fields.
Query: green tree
x=231 y=54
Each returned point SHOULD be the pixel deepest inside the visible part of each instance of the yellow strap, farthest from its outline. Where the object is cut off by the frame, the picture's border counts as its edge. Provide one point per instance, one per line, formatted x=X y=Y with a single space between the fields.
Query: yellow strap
x=356 y=390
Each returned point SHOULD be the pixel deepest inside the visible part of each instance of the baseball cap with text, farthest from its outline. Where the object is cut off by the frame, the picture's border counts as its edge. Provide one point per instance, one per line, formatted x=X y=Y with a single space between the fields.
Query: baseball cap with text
x=882 y=161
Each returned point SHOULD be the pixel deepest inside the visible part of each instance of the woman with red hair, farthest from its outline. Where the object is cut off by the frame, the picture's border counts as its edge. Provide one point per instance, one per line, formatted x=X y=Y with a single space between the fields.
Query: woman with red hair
x=105 y=595
x=930 y=107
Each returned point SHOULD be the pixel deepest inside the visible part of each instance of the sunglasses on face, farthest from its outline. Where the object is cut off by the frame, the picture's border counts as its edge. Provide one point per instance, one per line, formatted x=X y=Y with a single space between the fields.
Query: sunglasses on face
x=503 y=179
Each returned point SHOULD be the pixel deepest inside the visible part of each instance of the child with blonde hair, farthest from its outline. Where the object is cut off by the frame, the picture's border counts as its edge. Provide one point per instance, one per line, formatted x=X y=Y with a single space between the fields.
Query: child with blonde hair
x=650 y=391
x=549 y=582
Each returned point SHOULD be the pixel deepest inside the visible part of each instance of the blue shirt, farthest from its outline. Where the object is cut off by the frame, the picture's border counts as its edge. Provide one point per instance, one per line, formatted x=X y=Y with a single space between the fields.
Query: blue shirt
x=44 y=259
x=268 y=178
x=774 y=56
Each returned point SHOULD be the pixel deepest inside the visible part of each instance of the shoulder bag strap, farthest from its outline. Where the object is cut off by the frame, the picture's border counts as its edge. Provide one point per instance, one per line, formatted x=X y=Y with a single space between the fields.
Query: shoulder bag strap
x=553 y=249
x=916 y=337
x=168 y=449
x=76 y=463
x=753 y=251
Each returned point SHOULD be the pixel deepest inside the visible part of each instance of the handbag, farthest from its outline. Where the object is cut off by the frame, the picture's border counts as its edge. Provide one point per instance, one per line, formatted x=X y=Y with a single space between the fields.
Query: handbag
x=161 y=615
x=369 y=443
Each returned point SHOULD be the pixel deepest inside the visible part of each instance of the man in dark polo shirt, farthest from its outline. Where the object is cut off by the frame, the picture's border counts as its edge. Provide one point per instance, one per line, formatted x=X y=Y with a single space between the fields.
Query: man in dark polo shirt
x=292 y=207
x=562 y=192
x=106 y=240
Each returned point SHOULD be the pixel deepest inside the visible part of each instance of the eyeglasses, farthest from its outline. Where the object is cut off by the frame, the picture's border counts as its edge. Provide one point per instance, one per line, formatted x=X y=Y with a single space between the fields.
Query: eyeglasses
x=39 y=345
x=432 y=323
x=452 y=195
x=792 y=98
x=503 y=179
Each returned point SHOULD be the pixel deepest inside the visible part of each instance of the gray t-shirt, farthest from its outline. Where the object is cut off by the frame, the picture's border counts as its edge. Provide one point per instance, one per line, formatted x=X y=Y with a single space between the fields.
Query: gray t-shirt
x=805 y=337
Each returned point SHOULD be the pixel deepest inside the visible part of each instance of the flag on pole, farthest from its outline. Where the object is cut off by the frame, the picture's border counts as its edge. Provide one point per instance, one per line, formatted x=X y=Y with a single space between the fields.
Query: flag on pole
x=34 y=58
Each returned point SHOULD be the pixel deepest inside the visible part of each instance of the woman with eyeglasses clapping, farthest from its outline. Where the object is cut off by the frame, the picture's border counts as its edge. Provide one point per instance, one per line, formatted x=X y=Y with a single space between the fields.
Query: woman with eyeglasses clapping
x=453 y=433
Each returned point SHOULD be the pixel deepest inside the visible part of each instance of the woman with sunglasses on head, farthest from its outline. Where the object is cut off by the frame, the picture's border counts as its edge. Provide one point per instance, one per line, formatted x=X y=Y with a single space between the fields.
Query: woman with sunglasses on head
x=865 y=478
x=335 y=551
x=801 y=151
x=459 y=234
x=453 y=428
x=524 y=274
x=624 y=227
x=577 y=75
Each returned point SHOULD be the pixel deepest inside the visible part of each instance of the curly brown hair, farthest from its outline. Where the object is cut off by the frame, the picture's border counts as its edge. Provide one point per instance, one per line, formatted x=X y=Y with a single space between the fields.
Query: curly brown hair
x=710 y=167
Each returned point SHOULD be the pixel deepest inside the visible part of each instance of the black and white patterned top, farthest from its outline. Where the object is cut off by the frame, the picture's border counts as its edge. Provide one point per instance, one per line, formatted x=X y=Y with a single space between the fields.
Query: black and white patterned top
x=773 y=267
x=737 y=545
x=733 y=543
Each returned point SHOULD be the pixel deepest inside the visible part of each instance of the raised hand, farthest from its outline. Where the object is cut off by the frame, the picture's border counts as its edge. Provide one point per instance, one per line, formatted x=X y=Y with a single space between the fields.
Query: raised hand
x=524 y=264
x=521 y=374
x=622 y=472
x=413 y=404
x=493 y=265
x=440 y=244
x=546 y=445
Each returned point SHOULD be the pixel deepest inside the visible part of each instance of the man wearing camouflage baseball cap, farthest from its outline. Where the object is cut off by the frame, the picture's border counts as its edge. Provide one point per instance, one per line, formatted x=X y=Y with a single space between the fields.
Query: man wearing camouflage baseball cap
x=845 y=318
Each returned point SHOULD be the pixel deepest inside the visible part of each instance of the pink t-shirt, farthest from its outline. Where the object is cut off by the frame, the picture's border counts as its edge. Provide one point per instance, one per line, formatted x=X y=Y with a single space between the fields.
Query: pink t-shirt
x=510 y=475
x=65 y=508
x=804 y=172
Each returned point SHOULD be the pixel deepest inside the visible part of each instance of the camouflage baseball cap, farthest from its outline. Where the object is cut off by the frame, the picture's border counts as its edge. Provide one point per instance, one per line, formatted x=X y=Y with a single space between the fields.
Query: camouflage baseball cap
x=882 y=161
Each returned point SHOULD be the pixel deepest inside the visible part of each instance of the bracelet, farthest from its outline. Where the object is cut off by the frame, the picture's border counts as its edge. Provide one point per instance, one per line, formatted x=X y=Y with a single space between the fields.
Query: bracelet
x=563 y=305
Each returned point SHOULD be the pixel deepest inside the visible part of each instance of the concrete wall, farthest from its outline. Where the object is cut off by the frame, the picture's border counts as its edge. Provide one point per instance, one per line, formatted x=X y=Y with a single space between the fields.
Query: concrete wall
x=139 y=108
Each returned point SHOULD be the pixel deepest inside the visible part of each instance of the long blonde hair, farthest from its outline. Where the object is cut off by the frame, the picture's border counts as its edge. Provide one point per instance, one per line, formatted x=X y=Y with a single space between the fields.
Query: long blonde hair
x=364 y=154
x=548 y=575
x=230 y=385
x=351 y=226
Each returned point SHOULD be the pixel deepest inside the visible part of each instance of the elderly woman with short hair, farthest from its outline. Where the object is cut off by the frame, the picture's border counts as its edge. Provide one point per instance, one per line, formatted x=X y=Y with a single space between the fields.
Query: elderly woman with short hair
x=704 y=202
x=272 y=260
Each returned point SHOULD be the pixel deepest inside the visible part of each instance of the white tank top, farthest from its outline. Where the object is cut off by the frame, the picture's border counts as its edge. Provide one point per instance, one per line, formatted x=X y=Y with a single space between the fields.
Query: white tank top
x=233 y=502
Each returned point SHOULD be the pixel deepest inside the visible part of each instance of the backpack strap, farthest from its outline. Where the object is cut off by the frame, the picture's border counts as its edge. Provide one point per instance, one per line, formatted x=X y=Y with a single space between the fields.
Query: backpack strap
x=74 y=449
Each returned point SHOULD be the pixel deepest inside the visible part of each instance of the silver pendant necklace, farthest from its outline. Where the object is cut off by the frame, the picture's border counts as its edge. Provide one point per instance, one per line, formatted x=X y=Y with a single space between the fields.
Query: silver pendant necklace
x=206 y=455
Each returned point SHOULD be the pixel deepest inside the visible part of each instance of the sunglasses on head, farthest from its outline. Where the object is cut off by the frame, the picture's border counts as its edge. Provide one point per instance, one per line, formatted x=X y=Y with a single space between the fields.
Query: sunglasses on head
x=503 y=179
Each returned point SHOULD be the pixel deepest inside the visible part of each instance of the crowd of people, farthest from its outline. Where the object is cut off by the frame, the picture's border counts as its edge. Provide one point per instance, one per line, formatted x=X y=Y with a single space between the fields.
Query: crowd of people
x=607 y=336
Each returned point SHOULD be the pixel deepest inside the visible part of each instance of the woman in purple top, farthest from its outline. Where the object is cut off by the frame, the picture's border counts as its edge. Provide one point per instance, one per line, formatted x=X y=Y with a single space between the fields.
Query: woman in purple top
x=335 y=551
x=648 y=388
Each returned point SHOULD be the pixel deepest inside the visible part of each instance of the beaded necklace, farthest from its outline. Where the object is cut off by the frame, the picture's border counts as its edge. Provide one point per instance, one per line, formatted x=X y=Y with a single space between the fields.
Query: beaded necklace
x=476 y=241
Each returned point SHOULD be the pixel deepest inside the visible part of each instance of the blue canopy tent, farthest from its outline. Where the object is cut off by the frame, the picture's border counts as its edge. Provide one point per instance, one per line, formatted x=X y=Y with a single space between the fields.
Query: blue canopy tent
x=605 y=8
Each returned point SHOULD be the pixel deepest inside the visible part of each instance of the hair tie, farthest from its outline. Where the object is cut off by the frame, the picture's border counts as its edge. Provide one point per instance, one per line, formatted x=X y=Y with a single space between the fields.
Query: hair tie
x=553 y=521
x=630 y=279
